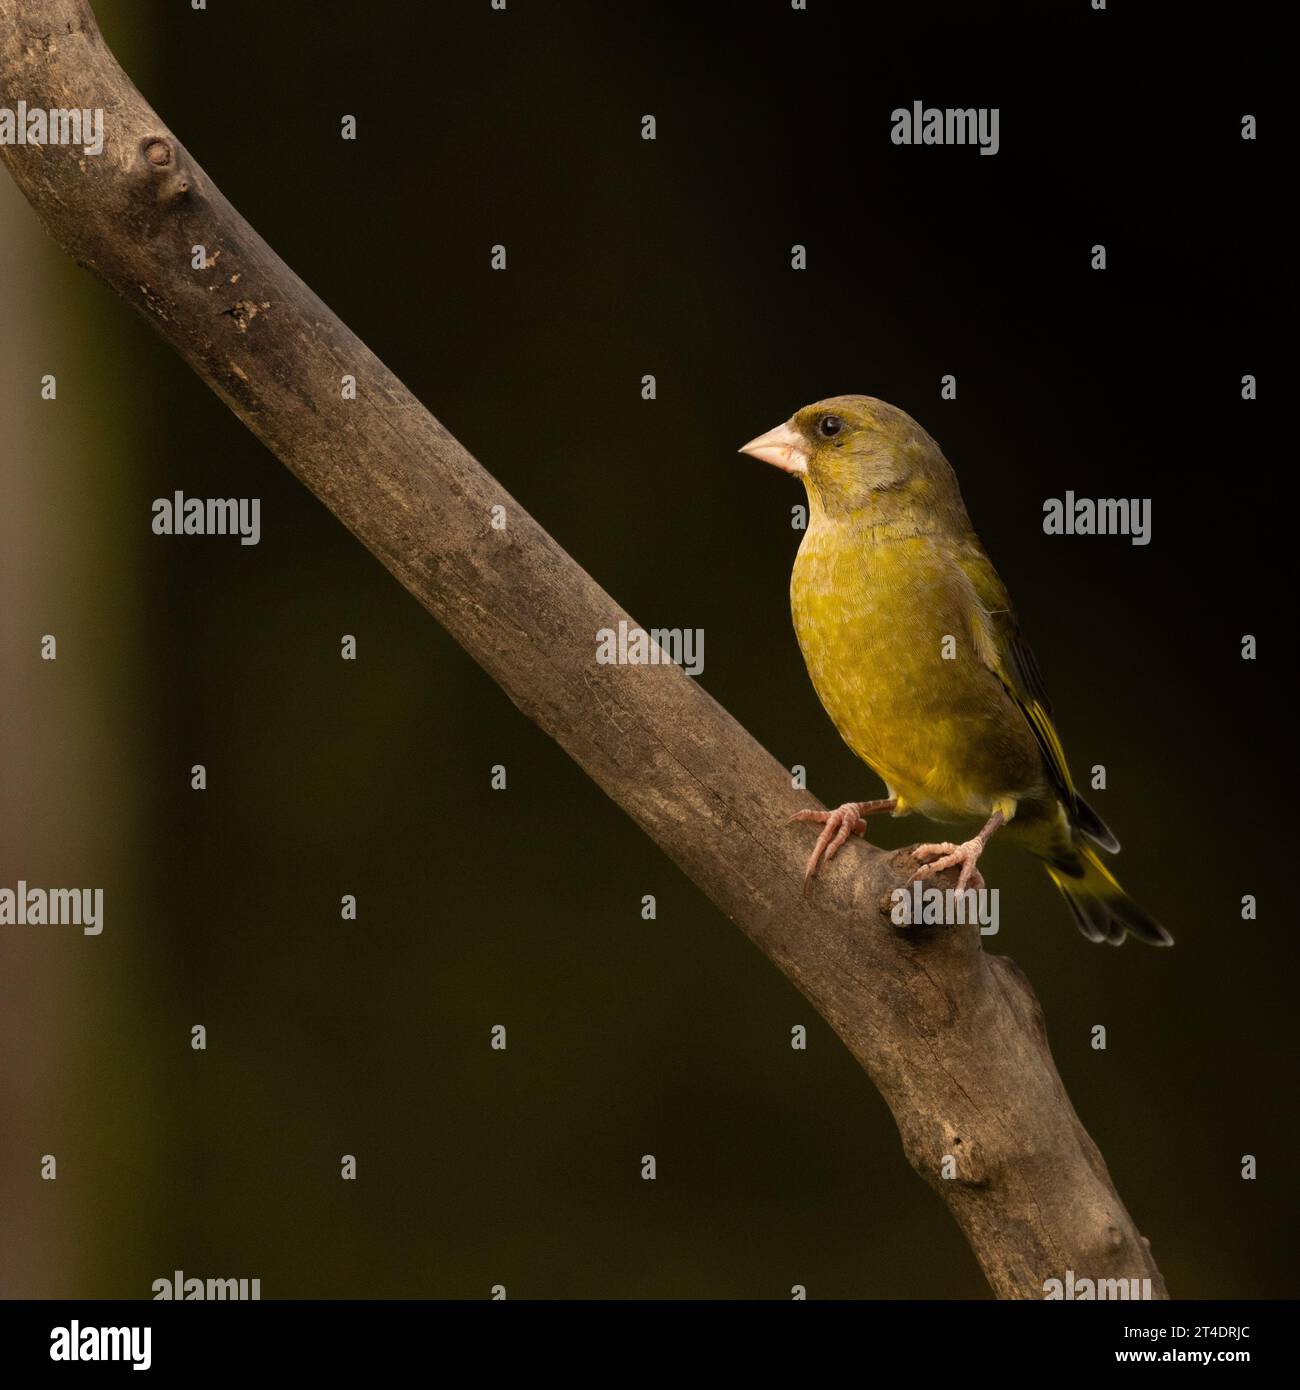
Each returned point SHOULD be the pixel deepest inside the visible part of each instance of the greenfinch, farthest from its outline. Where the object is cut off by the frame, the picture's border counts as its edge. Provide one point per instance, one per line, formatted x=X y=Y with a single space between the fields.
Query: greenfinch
x=916 y=655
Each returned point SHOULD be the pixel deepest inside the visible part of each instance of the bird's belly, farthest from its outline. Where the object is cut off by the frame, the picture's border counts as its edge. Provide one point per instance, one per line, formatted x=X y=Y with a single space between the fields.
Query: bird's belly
x=938 y=728
x=938 y=754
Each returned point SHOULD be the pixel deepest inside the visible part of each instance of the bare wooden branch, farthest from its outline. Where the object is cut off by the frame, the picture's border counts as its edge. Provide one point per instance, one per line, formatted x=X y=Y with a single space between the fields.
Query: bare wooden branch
x=953 y=1038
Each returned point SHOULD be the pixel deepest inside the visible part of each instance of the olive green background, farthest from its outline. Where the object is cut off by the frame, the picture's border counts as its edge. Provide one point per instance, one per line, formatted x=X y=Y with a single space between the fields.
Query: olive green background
x=522 y=907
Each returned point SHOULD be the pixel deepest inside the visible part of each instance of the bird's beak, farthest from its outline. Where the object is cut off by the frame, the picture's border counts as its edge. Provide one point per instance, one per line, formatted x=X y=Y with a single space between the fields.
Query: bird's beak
x=781 y=446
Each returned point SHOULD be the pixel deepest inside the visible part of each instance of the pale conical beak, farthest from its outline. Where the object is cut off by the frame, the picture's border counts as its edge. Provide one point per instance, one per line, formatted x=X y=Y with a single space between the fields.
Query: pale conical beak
x=781 y=446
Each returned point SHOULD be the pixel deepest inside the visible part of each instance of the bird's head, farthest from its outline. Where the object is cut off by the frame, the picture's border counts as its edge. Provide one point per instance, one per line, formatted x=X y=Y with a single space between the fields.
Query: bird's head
x=858 y=455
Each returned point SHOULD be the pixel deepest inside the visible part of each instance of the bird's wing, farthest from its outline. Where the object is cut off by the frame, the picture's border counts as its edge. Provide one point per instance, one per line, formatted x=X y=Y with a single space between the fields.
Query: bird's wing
x=1010 y=658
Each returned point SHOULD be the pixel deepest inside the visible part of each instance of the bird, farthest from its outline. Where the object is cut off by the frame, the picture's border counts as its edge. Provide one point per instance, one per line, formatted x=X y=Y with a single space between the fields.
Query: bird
x=914 y=651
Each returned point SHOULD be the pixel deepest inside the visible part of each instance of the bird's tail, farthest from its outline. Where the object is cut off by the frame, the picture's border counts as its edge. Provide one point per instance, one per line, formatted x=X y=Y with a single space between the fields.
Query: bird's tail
x=1102 y=910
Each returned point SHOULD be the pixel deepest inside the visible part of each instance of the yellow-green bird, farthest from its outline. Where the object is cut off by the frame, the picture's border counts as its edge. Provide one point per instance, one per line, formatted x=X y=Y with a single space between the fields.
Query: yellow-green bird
x=915 y=653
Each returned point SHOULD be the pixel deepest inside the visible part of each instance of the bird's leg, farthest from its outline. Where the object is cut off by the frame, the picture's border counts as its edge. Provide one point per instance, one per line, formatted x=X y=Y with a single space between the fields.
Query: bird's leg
x=966 y=854
x=837 y=826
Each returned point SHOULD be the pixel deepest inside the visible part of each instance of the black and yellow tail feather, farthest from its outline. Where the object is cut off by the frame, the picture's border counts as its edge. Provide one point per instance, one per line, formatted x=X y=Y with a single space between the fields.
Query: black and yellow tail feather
x=1102 y=910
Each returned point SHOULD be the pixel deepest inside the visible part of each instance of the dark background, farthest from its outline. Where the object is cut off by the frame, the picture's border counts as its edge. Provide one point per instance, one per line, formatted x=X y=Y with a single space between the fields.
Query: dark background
x=523 y=907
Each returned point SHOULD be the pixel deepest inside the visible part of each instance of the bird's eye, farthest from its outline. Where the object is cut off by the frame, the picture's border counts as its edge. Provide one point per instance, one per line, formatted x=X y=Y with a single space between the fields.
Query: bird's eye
x=830 y=425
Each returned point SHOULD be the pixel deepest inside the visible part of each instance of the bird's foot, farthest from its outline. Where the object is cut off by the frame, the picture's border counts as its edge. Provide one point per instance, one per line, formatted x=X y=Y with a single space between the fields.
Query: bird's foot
x=837 y=826
x=949 y=856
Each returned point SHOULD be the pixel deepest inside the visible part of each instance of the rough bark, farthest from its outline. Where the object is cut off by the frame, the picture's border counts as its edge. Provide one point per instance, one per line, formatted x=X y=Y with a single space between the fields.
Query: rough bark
x=952 y=1037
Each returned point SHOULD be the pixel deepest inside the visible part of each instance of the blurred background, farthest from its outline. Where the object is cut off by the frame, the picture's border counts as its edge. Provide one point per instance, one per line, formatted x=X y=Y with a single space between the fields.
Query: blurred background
x=628 y=1037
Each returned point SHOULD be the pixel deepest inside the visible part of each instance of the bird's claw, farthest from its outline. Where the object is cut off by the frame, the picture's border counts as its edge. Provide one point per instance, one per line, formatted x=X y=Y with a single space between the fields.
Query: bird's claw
x=837 y=826
x=949 y=856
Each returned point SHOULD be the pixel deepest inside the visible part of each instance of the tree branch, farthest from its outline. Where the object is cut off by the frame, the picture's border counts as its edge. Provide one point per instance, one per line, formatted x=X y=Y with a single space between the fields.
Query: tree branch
x=953 y=1038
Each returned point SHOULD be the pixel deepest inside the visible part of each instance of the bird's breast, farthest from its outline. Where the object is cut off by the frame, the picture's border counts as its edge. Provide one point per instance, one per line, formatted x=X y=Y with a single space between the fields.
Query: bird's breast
x=885 y=630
